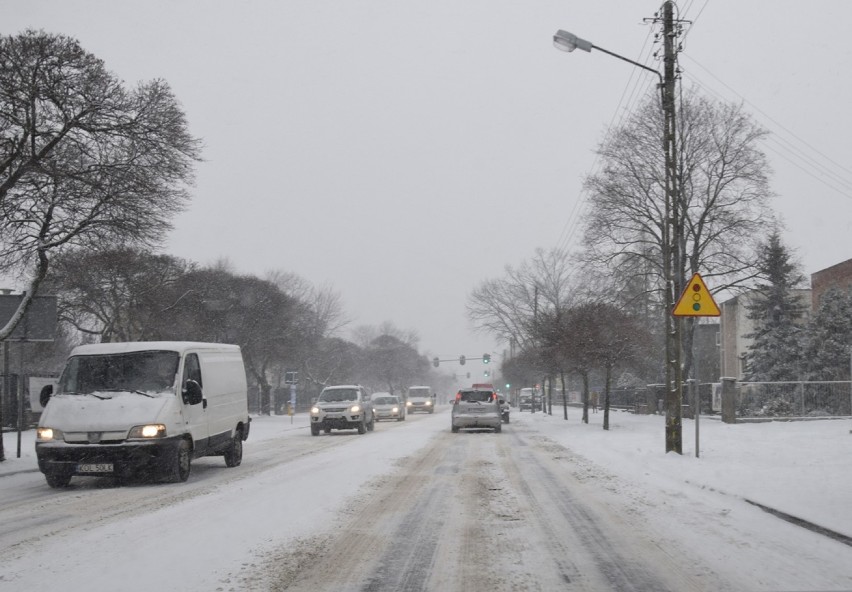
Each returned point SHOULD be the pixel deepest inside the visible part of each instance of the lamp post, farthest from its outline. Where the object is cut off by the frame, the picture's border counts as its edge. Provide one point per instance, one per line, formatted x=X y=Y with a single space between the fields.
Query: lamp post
x=671 y=226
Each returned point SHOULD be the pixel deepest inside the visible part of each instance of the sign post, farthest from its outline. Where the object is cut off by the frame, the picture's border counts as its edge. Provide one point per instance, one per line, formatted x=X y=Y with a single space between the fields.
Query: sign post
x=696 y=301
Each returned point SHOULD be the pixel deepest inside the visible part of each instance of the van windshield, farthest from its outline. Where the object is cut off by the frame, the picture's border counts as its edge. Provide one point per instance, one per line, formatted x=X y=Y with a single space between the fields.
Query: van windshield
x=145 y=371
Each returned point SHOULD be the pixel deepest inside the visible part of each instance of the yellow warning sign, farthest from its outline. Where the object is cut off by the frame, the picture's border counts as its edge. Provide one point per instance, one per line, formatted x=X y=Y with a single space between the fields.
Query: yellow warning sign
x=696 y=300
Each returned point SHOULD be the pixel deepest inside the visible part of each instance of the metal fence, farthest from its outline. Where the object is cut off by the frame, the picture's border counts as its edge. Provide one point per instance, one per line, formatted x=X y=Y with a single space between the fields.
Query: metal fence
x=794 y=399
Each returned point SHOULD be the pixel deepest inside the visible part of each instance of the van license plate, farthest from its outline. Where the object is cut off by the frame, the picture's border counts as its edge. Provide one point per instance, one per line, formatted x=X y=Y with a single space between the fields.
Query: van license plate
x=95 y=468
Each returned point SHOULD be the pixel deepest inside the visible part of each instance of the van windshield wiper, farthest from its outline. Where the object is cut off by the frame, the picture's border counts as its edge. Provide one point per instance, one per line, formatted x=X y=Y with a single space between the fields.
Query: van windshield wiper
x=89 y=394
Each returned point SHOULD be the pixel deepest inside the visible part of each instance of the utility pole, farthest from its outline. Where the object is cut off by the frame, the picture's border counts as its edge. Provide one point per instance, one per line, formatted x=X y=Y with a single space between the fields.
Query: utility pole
x=673 y=243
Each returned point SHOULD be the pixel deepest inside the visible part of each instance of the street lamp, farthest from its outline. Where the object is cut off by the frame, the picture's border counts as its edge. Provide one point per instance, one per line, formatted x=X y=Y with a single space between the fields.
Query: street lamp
x=565 y=41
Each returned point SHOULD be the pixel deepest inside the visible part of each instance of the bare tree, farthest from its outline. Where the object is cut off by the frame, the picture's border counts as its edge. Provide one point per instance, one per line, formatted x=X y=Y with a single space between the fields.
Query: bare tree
x=723 y=203
x=507 y=307
x=116 y=295
x=84 y=161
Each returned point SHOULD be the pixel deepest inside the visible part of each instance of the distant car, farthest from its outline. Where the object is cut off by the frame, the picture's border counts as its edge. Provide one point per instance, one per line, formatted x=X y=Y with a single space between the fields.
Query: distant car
x=343 y=407
x=504 y=410
x=388 y=406
x=477 y=408
x=530 y=399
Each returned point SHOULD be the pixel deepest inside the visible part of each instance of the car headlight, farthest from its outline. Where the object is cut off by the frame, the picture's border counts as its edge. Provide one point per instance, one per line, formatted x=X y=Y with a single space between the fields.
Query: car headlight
x=408 y=403
x=315 y=410
x=395 y=410
x=49 y=435
x=355 y=409
x=147 y=432
x=428 y=403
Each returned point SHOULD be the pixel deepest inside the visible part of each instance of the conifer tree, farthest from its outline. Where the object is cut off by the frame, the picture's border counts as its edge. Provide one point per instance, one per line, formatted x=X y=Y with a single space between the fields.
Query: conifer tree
x=829 y=337
x=776 y=311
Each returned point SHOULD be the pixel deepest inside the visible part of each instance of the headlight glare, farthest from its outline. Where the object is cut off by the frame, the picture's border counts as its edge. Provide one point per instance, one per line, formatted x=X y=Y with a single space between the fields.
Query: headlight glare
x=355 y=409
x=315 y=410
x=48 y=434
x=146 y=432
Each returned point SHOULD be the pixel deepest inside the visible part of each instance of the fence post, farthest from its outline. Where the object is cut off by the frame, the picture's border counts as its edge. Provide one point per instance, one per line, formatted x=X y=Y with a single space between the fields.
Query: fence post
x=729 y=400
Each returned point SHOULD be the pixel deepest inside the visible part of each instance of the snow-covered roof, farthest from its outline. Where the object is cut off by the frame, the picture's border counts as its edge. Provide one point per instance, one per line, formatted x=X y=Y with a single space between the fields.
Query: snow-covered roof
x=134 y=346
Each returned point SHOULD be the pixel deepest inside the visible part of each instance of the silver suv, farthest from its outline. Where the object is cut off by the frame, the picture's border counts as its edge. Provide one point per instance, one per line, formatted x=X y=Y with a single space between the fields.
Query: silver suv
x=343 y=407
x=477 y=408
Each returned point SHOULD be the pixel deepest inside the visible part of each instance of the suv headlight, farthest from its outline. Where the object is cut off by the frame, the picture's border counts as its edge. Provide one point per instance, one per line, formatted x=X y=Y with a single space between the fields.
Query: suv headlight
x=355 y=409
x=49 y=435
x=315 y=410
x=147 y=432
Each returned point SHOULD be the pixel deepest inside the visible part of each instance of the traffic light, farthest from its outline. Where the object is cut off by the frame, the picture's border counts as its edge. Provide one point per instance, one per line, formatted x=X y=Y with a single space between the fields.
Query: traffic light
x=485 y=374
x=486 y=358
x=461 y=360
x=435 y=362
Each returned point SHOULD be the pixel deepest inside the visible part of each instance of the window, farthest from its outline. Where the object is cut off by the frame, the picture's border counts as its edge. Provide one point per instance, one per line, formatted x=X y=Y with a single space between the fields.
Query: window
x=192 y=369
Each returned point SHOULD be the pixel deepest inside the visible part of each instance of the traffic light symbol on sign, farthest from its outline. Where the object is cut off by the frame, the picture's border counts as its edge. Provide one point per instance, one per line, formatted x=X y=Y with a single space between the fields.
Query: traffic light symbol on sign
x=696 y=300
x=461 y=360
x=486 y=358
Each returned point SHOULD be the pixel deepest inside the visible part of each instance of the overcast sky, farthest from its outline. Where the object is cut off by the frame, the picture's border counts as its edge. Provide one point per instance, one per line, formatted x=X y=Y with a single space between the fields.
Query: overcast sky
x=403 y=152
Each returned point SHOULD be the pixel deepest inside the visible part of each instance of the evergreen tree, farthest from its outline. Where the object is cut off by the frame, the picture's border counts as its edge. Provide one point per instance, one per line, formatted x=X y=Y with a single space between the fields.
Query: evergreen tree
x=829 y=337
x=776 y=310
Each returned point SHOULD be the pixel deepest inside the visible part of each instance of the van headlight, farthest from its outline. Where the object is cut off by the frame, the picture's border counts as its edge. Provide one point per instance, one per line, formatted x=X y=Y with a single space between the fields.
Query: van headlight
x=147 y=432
x=49 y=435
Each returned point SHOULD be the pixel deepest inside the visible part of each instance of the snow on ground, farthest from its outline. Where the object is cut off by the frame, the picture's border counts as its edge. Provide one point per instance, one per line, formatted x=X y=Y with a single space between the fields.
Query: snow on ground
x=800 y=468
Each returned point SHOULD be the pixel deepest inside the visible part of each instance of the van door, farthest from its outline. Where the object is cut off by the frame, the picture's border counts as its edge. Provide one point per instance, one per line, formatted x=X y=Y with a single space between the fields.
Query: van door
x=195 y=415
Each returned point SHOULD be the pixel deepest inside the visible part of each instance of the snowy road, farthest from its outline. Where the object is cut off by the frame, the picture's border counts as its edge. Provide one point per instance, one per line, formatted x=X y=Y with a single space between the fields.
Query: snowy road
x=478 y=511
x=408 y=507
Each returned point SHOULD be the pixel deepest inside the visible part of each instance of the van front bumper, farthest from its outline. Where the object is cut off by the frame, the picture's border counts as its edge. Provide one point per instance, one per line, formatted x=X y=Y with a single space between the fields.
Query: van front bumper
x=119 y=459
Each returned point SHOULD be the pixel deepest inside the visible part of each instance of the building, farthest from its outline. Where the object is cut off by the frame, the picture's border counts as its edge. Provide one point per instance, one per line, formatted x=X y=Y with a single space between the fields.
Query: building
x=836 y=276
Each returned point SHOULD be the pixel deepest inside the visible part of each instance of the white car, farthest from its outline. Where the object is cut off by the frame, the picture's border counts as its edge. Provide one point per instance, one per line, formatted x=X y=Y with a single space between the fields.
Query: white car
x=388 y=406
x=477 y=408
x=343 y=407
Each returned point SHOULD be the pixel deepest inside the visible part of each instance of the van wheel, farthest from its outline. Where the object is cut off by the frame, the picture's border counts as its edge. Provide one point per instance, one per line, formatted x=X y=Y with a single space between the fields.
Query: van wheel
x=181 y=463
x=234 y=452
x=57 y=480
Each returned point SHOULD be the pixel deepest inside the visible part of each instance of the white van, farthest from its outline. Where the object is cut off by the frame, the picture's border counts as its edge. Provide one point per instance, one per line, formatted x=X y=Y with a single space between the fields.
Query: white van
x=420 y=398
x=123 y=408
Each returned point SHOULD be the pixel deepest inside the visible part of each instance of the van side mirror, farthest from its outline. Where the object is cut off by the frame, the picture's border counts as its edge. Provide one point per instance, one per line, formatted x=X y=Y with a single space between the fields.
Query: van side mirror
x=44 y=395
x=192 y=394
